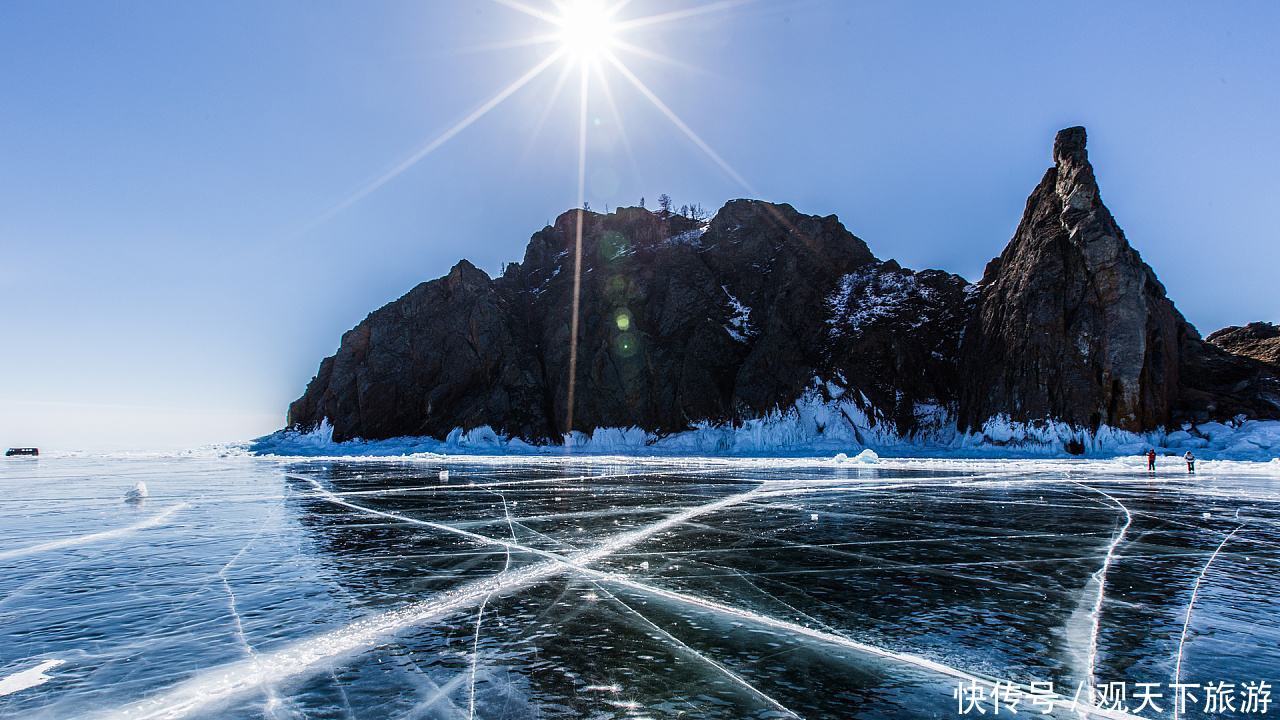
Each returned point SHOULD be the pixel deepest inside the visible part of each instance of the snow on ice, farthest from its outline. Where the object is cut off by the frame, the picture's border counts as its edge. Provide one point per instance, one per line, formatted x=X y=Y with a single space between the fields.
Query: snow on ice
x=29 y=678
x=827 y=421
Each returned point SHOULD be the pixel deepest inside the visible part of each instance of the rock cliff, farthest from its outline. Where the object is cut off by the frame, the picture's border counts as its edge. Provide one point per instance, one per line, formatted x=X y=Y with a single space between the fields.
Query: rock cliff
x=683 y=321
x=1071 y=323
x=1259 y=341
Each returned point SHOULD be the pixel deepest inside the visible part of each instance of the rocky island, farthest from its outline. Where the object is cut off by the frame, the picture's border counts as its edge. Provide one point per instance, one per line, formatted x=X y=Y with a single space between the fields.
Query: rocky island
x=686 y=324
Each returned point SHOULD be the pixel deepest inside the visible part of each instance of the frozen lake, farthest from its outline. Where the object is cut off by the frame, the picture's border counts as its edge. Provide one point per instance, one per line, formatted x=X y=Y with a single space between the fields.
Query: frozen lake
x=596 y=588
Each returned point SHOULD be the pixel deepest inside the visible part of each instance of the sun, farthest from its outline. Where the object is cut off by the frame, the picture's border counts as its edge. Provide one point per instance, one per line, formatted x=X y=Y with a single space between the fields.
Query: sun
x=587 y=29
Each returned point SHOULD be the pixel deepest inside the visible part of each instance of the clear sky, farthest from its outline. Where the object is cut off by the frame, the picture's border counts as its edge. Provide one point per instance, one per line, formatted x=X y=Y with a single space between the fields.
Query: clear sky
x=172 y=270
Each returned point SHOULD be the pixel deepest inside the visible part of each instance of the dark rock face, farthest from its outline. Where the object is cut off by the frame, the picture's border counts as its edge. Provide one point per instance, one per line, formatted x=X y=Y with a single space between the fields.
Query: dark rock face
x=1259 y=340
x=1218 y=385
x=1236 y=372
x=1071 y=324
x=895 y=335
x=679 y=323
x=446 y=354
x=682 y=322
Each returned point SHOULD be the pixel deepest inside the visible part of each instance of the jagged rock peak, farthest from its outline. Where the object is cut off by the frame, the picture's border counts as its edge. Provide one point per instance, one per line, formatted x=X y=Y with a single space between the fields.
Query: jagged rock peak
x=1069 y=146
x=1071 y=324
x=465 y=273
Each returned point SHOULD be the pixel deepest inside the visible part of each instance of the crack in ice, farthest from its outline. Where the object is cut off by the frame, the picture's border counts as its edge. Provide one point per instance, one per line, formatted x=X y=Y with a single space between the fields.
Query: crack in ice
x=299 y=658
x=274 y=701
x=150 y=522
x=1186 y=622
x=1100 y=578
x=833 y=638
x=681 y=644
x=743 y=614
x=475 y=642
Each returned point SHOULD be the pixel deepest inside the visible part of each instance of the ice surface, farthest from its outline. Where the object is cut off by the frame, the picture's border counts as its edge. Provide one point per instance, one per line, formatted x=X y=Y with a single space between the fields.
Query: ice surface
x=569 y=586
x=94 y=537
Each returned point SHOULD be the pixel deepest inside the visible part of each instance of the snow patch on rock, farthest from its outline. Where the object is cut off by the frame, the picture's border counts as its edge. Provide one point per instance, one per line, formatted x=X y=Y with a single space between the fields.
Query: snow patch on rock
x=689 y=237
x=739 y=325
x=870 y=294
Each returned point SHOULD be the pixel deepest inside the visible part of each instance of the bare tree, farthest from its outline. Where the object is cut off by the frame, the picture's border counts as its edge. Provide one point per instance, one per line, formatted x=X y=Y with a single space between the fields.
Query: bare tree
x=664 y=205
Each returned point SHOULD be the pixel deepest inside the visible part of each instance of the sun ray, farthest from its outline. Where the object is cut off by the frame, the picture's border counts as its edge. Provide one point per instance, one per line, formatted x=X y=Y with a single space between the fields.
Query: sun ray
x=617 y=8
x=530 y=11
x=680 y=124
x=530 y=41
x=561 y=79
x=435 y=144
x=577 y=244
x=607 y=91
x=657 y=57
x=680 y=14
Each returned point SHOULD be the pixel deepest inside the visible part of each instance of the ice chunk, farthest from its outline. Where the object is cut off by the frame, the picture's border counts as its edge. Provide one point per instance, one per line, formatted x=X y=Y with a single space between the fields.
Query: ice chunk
x=444 y=475
x=138 y=493
x=867 y=456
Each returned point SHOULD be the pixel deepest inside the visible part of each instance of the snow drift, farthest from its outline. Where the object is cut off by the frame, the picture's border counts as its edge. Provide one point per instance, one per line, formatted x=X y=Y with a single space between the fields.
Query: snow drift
x=826 y=421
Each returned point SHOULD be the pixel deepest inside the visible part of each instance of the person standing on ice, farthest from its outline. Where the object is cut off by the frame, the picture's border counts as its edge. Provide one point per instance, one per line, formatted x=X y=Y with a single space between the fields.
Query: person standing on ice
x=1191 y=461
x=1151 y=460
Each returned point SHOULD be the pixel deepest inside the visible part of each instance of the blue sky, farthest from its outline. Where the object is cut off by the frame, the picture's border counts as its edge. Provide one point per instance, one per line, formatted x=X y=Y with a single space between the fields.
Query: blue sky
x=163 y=166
